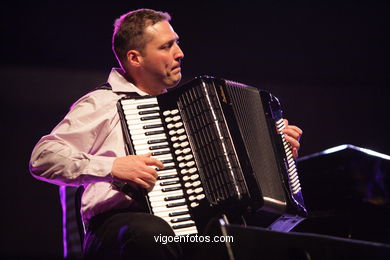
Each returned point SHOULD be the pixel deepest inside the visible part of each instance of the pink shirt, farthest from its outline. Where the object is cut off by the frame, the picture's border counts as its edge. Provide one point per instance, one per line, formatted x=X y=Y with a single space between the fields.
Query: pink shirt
x=83 y=146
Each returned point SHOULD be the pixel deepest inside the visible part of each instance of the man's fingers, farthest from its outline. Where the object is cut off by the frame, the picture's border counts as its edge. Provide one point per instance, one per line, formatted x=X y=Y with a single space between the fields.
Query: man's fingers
x=296 y=129
x=294 y=143
x=144 y=184
x=295 y=153
x=153 y=162
x=295 y=133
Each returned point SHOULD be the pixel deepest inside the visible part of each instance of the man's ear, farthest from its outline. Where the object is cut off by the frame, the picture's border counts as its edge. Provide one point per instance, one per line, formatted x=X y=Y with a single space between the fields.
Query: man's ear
x=134 y=58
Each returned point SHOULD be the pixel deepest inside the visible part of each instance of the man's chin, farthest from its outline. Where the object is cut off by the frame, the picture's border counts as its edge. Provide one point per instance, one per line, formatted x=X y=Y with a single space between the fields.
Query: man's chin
x=174 y=81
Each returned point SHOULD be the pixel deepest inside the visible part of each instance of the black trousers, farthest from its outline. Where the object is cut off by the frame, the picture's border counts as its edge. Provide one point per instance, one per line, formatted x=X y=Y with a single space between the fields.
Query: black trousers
x=129 y=235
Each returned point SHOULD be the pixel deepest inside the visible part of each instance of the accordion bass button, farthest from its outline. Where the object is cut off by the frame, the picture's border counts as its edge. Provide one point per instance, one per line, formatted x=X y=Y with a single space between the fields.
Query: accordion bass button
x=184 y=144
x=194 y=204
x=168 y=119
x=167 y=113
x=188 y=157
x=198 y=190
x=180 y=131
x=192 y=170
x=190 y=164
x=174 y=111
x=194 y=177
x=196 y=183
x=182 y=137
x=178 y=125
x=186 y=150
x=200 y=197
x=182 y=165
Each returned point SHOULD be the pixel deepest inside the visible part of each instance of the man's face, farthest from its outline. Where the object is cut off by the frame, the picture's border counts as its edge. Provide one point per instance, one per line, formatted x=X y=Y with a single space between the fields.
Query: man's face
x=162 y=56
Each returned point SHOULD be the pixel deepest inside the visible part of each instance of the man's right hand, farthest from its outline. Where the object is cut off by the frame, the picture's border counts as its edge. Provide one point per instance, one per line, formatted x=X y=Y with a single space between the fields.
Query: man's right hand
x=137 y=169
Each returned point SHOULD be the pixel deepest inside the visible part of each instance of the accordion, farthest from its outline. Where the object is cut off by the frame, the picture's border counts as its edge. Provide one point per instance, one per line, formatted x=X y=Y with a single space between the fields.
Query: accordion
x=223 y=151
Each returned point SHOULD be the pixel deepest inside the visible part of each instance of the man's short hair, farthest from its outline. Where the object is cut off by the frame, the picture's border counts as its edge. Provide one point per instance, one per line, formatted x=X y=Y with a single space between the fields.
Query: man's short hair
x=129 y=31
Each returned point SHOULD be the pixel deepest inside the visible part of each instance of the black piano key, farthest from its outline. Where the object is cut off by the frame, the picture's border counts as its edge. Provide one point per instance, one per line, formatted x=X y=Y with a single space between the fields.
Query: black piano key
x=183 y=225
x=178 y=213
x=158 y=147
x=166 y=177
x=175 y=204
x=154 y=132
x=167 y=161
x=156 y=141
x=145 y=118
x=152 y=126
x=177 y=220
x=161 y=153
x=146 y=112
x=177 y=197
x=147 y=106
x=166 y=183
x=170 y=189
x=165 y=168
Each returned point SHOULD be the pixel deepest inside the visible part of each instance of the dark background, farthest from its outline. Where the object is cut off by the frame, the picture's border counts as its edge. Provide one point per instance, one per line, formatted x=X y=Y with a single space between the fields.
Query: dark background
x=327 y=62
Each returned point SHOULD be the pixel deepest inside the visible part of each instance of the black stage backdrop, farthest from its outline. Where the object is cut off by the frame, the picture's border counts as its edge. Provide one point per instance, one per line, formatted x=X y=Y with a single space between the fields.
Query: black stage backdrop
x=327 y=62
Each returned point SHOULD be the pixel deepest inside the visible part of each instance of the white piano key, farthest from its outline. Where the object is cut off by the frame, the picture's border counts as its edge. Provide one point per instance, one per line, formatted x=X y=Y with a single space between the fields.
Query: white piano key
x=166 y=172
x=163 y=210
x=191 y=222
x=186 y=231
x=143 y=151
x=178 y=217
x=158 y=182
x=133 y=104
x=143 y=131
x=147 y=146
x=159 y=188
x=138 y=117
x=162 y=203
x=136 y=111
x=143 y=122
x=144 y=100
x=139 y=126
x=166 y=214
x=147 y=137
x=159 y=195
x=160 y=210
x=163 y=157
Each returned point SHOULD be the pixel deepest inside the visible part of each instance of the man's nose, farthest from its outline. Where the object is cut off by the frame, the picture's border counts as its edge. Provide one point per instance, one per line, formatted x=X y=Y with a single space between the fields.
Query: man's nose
x=178 y=53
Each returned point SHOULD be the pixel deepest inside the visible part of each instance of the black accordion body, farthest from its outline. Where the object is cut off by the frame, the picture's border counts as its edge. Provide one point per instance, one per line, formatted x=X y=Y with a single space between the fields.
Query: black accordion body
x=223 y=151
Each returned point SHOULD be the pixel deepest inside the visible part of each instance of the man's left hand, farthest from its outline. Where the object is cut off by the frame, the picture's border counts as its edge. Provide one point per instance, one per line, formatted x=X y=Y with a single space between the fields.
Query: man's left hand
x=293 y=135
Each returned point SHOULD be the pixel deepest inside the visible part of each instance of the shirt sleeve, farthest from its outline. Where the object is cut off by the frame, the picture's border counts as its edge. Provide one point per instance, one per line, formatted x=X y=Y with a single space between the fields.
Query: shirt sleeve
x=66 y=156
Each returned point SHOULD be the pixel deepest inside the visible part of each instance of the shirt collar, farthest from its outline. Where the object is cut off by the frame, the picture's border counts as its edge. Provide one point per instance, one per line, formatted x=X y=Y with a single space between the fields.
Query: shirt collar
x=120 y=84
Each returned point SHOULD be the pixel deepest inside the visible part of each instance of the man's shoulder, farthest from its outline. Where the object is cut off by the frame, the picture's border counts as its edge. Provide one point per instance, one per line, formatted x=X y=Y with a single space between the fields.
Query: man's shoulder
x=99 y=97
